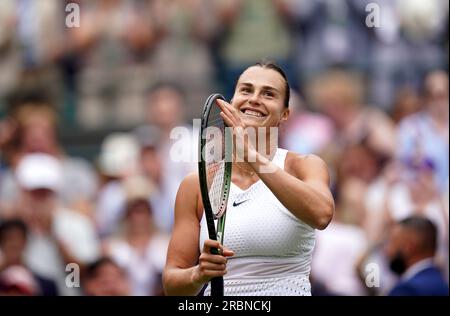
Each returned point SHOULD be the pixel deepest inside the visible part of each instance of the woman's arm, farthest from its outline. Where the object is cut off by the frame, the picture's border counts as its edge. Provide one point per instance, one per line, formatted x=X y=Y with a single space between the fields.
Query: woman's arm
x=303 y=188
x=187 y=270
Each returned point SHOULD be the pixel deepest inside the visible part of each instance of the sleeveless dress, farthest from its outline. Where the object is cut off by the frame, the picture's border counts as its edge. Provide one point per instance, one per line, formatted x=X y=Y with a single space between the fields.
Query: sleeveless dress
x=273 y=248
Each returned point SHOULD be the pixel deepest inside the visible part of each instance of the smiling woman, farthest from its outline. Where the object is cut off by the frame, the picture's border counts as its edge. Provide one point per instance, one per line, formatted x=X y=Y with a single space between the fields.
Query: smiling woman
x=276 y=201
x=260 y=105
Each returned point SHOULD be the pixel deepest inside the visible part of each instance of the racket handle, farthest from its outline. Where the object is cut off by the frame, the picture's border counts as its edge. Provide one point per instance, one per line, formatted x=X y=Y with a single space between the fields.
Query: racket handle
x=217 y=286
x=214 y=251
x=217 y=282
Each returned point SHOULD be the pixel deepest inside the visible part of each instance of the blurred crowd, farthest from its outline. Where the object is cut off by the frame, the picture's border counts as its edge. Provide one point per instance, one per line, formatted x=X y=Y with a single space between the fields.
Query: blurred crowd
x=373 y=102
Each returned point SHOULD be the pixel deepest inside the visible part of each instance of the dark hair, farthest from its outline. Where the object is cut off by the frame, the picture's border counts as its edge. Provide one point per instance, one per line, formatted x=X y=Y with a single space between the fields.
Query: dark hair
x=425 y=229
x=91 y=270
x=131 y=205
x=12 y=224
x=268 y=64
x=171 y=85
x=19 y=97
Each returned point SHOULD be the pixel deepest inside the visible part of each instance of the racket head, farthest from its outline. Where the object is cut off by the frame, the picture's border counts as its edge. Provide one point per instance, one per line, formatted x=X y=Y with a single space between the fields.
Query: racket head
x=214 y=174
x=215 y=152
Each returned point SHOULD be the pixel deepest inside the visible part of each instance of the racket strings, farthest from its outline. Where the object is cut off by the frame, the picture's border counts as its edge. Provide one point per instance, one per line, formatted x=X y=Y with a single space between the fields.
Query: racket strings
x=215 y=160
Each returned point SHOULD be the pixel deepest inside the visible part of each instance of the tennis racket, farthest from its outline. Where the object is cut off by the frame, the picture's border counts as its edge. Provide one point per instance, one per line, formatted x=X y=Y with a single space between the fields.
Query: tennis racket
x=215 y=152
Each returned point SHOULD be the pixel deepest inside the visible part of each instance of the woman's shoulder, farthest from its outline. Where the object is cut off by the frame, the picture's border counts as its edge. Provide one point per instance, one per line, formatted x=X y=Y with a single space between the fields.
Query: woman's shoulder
x=191 y=178
x=298 y=164
x=190 y=183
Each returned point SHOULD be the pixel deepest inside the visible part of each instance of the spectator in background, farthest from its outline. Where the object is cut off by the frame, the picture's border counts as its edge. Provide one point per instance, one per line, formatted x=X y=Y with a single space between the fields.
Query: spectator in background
x=401 y=191
x=114 y=48
x=325 y=33
x=410 y=190
x=35 y=131
x=8 y=132
x=144 y=151
x=31 y=42
x=40 y=32
x=182 y=55
x=406 y=102
x=140 y=249
x=13 y=270
x=358 y=166
x=176 y=146
x=424 y=135
x=151 y=167
x=416 y=183
x=339 y=94
x=408 y=43
x=411 y=249
x=338 y=249
x=18 y=281
x=118 y=159
x=10 y=61
x=58 y=236
x=365 y=136
x=105 y=278
x=305 y=132
x=250 y=30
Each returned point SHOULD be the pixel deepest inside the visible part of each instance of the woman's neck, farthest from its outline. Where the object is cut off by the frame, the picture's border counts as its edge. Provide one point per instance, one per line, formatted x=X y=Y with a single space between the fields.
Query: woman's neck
x=139 y=233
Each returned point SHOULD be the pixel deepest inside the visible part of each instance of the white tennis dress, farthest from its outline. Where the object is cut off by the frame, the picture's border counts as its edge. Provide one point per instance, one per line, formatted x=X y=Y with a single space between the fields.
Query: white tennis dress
x=272 y=247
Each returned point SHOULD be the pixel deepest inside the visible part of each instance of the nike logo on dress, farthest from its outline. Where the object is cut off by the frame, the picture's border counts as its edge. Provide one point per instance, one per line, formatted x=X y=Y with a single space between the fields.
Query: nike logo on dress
x=238 y=203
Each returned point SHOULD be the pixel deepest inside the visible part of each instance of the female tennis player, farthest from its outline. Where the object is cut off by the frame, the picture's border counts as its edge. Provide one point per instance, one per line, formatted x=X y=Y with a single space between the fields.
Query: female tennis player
x=276 y=201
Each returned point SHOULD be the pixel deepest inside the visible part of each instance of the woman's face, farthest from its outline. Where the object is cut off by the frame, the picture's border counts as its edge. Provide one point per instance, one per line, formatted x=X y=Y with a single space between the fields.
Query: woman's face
x=139 y=214
x=259 y=97
x=39 y=136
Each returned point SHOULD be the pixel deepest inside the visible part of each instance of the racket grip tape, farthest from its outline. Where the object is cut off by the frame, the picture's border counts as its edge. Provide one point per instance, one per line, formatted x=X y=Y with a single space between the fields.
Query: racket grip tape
x=217 y=286
x=217 y=282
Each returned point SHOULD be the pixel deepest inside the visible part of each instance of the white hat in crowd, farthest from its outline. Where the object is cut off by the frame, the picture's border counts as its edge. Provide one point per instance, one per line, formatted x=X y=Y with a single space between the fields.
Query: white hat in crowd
x=119 y=155
x=39 y=171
